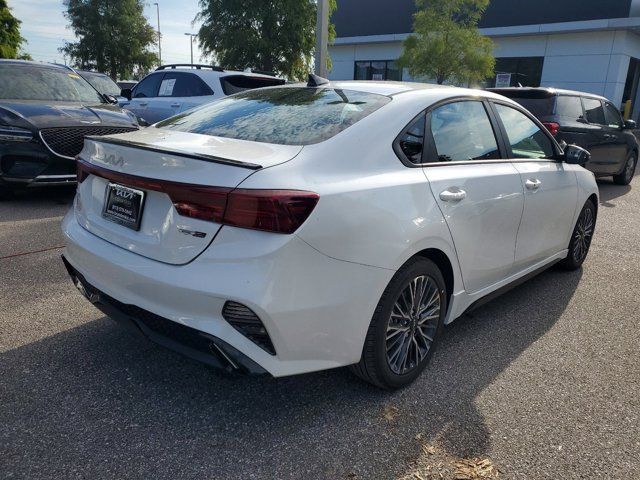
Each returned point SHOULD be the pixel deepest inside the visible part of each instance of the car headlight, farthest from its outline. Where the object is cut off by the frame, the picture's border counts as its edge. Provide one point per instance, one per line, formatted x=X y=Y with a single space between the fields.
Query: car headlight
x=15 y=134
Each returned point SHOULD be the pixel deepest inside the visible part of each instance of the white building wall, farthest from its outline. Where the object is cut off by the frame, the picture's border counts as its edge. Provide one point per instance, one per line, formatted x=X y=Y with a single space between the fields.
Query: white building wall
x=590 y=61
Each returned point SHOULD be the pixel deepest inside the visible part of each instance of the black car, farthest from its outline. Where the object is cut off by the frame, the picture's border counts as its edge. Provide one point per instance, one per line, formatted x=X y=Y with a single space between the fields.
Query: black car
x=586 y=120
x=46 y=111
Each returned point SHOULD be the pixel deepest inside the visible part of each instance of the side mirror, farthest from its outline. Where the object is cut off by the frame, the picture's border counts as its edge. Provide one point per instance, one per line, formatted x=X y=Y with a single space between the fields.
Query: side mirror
x=126 y=93
x=110 y=98
x=576 y=155
x=629 y=125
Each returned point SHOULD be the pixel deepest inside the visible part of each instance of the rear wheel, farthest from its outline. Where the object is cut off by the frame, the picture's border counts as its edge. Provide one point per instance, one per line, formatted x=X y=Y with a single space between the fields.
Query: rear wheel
x=5 y=192
x=405 y=326
x=581 y=237
x=629 y=170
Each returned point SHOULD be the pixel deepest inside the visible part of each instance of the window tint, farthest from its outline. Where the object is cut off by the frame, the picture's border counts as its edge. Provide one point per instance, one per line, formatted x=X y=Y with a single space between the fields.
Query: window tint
x=239 y=83
x=412 y=140
x=179 y=84
x=569 y=107
x=462 y=131
x=612 y=116
x=593 y=109
x=282 y=115
x=540 y=107
x=148 y=87
x=102 y=83
x=526 y=139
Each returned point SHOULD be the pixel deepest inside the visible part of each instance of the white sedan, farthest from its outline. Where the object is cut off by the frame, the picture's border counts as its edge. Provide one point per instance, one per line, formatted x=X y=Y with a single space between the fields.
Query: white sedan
x=305 y=227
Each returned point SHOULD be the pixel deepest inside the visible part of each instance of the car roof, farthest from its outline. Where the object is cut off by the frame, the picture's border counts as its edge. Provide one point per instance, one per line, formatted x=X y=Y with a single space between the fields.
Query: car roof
x=543 y=92
x=34 y=63
x=207 y=70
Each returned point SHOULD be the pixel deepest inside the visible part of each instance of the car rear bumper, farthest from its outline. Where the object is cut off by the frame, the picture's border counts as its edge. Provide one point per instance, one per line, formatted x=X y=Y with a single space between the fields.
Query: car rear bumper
x=315 y=309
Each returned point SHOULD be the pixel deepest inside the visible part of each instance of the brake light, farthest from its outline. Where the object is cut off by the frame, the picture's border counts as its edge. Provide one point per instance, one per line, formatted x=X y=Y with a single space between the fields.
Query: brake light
x=553 y=127
x=278 y=211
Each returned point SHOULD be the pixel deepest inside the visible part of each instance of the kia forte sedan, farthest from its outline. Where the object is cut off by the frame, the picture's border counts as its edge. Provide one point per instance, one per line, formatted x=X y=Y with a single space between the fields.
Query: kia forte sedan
x=306 y=227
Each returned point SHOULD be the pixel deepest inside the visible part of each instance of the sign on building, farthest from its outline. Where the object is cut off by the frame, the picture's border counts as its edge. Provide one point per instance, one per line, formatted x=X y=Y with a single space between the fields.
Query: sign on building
x=503 y=80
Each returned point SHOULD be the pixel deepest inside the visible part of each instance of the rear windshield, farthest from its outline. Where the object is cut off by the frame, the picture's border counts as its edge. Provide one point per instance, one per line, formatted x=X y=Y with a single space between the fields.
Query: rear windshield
x=540 y=107
x=32 y=82
x=285 y=115
x=239 y=83
x=102 y=83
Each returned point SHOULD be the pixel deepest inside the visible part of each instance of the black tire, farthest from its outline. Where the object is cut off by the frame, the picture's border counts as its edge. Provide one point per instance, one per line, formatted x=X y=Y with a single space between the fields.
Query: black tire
x=629 y=170
x=5 y=193
x=375 y=366
x=581 y=238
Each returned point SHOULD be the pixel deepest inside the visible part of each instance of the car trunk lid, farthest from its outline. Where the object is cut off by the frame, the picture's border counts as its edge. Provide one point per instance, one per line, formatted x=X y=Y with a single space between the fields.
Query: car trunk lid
x=173 y=172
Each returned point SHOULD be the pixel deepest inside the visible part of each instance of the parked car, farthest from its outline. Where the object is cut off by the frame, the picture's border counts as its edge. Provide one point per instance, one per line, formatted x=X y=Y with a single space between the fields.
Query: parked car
x=173 y=89
x=46 y=111
x=587 y=120
x=126 y=84
x=298 y=228
x=103 y=84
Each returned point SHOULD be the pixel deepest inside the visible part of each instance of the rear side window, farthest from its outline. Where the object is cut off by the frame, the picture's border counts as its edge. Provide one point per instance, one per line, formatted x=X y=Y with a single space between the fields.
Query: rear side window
x=569 y=107
x=411 y=141
x=612 y=116
x=179 y=84
x=462 y=131
x=281 y=115
x=594 y=111
x=527 y=140
x=239 y=83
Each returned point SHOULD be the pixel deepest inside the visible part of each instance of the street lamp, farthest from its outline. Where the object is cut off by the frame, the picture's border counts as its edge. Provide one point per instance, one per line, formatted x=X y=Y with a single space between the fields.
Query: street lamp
x=191 y=37
x=159 y=37
x=322 y=37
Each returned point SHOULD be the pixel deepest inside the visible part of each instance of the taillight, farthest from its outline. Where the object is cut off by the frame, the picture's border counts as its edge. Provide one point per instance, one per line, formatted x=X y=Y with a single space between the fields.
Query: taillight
x=553 y=127
x=278 y=211
x=81 y=172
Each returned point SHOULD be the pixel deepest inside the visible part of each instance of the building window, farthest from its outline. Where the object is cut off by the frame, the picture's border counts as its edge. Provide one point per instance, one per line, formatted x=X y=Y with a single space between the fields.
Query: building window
x=377 y=70
x=526 y=71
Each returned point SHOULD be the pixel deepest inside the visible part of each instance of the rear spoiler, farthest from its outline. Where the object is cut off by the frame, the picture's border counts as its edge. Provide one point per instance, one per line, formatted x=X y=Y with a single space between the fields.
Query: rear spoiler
x=198 y=156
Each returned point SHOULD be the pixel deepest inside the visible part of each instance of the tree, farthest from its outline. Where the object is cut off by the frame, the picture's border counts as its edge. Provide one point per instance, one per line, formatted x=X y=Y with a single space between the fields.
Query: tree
x=10 y=39
x=270 y=35
x=446 y=44
x=113 y=36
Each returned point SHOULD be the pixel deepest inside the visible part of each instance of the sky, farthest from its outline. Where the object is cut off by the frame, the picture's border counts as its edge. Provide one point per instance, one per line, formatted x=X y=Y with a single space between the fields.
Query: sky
x=45 y=28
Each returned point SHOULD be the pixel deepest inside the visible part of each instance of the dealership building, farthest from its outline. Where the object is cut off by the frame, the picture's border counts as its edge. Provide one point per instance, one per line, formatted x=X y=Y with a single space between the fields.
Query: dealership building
x=586 y=45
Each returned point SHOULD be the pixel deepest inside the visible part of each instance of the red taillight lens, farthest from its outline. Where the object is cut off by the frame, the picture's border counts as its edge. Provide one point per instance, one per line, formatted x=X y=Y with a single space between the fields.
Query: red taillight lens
x=280 y=211
x=553 y=127
x=81 y=171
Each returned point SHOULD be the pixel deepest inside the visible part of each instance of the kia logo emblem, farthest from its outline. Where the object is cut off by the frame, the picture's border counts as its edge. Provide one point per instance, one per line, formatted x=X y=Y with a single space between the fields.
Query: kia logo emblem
x=124 y=194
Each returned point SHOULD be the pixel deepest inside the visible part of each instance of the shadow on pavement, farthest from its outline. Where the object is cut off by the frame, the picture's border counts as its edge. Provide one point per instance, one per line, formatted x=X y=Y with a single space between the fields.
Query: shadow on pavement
x=610 y=191
x=31 y=203
x=96 y=402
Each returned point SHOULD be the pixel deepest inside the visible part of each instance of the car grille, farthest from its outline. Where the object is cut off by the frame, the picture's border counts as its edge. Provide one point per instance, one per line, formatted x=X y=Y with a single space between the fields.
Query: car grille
x=68 y=141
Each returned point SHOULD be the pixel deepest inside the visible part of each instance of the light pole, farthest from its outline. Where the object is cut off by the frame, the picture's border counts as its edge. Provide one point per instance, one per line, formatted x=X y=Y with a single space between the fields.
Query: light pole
x=191 y=37
x=159 y=36
x=322 y=37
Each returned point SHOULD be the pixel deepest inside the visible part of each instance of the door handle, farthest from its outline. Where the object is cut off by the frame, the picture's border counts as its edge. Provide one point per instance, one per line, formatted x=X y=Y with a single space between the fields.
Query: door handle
x=453 y=194
x=175 y=105
x=143 y=104
x=533 y=184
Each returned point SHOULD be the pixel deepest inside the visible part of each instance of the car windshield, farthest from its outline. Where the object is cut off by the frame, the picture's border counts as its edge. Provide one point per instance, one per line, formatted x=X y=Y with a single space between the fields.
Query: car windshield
x=285 y=115
x=102 y=83
x=34 y=82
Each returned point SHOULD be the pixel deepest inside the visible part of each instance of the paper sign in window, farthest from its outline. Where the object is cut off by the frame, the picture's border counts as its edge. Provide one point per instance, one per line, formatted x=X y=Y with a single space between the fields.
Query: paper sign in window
x=166 y=87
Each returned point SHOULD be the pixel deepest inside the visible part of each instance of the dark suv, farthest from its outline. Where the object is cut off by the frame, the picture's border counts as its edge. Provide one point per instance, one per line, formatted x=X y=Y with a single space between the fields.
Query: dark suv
x=586 y=120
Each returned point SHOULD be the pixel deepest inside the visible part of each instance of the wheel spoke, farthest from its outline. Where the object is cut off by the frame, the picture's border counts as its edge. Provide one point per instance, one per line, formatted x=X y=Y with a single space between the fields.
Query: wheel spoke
x=412 y=325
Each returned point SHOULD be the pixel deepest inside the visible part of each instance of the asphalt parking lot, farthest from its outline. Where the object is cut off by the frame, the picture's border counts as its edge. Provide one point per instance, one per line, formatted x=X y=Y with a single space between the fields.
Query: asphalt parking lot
x=543 y=382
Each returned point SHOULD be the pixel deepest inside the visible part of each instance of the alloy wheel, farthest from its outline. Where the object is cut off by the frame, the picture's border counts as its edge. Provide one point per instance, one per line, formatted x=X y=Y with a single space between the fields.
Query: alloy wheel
x=583 y=234
x=413 y=324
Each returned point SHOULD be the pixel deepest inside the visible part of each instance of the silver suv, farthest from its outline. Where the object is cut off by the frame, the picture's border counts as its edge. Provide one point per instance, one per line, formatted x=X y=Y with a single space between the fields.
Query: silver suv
x=172 y=89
